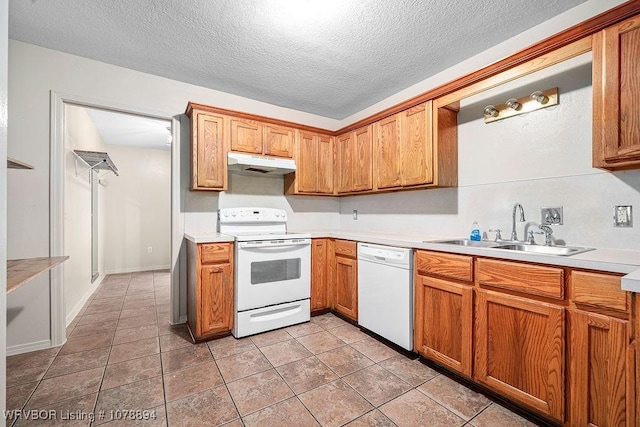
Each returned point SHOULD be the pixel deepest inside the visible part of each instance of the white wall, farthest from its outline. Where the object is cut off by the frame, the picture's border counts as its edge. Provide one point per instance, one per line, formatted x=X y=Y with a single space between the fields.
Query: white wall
x=4 y=31
x=138 y=210
x=542 y=158
x=80 y=134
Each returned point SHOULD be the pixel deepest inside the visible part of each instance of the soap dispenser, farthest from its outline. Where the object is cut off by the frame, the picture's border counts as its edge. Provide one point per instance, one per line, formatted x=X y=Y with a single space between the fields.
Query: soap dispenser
x=475 y=232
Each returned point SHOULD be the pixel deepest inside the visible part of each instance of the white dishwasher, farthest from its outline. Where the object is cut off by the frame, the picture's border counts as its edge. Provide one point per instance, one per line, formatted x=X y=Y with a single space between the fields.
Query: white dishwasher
x=385 y=292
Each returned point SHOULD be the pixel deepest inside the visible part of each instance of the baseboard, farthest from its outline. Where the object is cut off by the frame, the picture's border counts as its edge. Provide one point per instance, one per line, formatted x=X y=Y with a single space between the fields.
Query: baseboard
x=135 y=269
x=76 y=309
x=26 y=348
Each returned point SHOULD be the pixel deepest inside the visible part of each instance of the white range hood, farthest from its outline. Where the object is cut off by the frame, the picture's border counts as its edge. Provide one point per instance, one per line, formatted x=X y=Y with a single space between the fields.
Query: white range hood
x=259 y=165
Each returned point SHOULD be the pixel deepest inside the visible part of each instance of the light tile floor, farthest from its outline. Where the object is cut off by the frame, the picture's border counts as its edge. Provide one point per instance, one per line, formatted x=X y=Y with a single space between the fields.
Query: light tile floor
x=122 y=355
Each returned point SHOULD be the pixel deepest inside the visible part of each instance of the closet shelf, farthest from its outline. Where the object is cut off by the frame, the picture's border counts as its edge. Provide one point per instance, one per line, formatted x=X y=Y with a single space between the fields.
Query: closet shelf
x=96 y=160
x=17 y=164
x=21 y=271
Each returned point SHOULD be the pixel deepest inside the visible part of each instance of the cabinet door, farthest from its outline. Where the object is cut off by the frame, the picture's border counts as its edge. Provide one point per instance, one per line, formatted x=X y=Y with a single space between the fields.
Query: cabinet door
x=387 y=154
x=443 y=322
x=216 y=298
x=246 y=136
x=362 y=161
x=209 y=166
x=324 y=168
x=306 y=173
x=417 y=145
x=520 y=350
x=344 y=171
x=278 y=141
x=319 y=300
x=599 y=375
x=346 y=283
x=616 y=96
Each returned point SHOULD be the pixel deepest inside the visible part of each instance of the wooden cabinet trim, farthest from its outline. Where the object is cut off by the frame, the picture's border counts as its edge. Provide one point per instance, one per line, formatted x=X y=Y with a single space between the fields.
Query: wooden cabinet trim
x=526 y=278
x=459 y=267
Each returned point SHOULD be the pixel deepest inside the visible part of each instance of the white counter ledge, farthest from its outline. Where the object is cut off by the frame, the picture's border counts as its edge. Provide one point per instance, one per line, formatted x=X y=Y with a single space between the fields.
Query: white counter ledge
x=208 y=237
x=605 y=259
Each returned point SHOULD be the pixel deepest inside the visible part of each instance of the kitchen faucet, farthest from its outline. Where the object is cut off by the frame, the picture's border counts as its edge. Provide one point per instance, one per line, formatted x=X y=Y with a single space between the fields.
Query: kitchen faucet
x=514 y=235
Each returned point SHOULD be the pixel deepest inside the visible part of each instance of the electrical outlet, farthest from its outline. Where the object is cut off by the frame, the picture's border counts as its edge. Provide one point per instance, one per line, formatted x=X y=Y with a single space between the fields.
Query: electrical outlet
x=551 y=215
x=355 y=214
x=622 y=216
x=149 y=249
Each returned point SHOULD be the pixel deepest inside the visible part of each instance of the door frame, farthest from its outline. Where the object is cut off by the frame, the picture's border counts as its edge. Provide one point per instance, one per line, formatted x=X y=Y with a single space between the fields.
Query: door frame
x=56 y=197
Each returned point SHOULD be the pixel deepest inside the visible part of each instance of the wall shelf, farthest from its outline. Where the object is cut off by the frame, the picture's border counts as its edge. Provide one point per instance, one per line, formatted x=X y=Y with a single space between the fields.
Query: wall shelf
x=17 y=164
x=21 y=271
x=95 y=160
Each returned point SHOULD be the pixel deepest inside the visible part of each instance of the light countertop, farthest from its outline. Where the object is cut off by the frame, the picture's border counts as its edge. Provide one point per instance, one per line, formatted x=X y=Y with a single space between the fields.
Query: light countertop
x=208 y=237
x=600 y=259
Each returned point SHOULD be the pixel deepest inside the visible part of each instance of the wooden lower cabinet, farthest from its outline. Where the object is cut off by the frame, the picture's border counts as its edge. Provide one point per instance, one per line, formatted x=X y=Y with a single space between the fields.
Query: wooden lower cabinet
x=209 y=289
x=346 y=283
x=520 y=351
x=319 y=275
x=444 y=322
x=344 y=280
x=600 y=371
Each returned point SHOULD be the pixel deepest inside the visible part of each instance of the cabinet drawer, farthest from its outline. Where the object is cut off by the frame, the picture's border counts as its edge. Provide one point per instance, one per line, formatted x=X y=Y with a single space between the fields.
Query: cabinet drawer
x=346 y=248
x=530 y=279
x=458 y=267
x=599 y=290
x=212 y=253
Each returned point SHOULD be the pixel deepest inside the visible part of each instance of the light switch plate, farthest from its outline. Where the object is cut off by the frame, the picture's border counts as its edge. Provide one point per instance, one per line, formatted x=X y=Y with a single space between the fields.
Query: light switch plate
x=551 y=215
x=622 y=216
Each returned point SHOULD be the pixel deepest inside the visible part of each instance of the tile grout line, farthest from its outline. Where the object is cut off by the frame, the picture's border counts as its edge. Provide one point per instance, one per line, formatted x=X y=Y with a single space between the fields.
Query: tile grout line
x=164 y=390
x=104 y=372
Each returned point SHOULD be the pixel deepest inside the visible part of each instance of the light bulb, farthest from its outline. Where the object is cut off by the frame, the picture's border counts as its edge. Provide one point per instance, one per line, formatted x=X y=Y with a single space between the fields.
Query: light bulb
x=490 y=111
x=539 y=97
x=512 y=104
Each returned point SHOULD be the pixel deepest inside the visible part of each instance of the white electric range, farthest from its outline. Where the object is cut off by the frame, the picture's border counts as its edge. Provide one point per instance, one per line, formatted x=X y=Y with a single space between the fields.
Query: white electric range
x=272 y=270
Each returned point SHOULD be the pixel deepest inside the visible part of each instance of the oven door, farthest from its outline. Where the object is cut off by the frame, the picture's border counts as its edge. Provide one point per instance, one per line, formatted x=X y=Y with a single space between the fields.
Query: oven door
x=272 y=272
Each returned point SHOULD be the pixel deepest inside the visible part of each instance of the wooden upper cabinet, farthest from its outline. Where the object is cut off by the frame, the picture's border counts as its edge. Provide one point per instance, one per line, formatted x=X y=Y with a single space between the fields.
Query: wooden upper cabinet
x=520 y=350
x=417 y=145
x=324 y=164
x=208 y=145
x=314 y=163
x=388 y=153
x=307 y=160
x=362 y=165
x=616 y=96
x=246 y=136
x=252 y=136
x=278 y=141
x=344 y=165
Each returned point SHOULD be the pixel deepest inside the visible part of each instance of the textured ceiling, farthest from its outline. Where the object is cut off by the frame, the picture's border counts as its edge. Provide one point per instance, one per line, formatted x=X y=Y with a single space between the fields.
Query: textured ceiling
x=131 y=130
x=328 y=57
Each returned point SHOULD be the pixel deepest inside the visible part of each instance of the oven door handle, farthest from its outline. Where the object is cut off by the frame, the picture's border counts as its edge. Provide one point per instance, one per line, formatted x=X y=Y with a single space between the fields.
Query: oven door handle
x=273 y=244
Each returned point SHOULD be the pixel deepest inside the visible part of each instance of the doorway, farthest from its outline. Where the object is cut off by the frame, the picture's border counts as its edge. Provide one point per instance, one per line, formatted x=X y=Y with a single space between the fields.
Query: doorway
x=135 y=248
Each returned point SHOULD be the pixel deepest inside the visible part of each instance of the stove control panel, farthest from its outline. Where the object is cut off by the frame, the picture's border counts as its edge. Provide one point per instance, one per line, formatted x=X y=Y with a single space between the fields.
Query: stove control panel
x=251 y=215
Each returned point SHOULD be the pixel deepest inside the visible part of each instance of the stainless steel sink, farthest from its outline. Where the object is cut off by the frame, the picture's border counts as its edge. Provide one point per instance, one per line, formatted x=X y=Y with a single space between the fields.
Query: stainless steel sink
x=517 y=247
x=545 y=250
x=466 y=242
